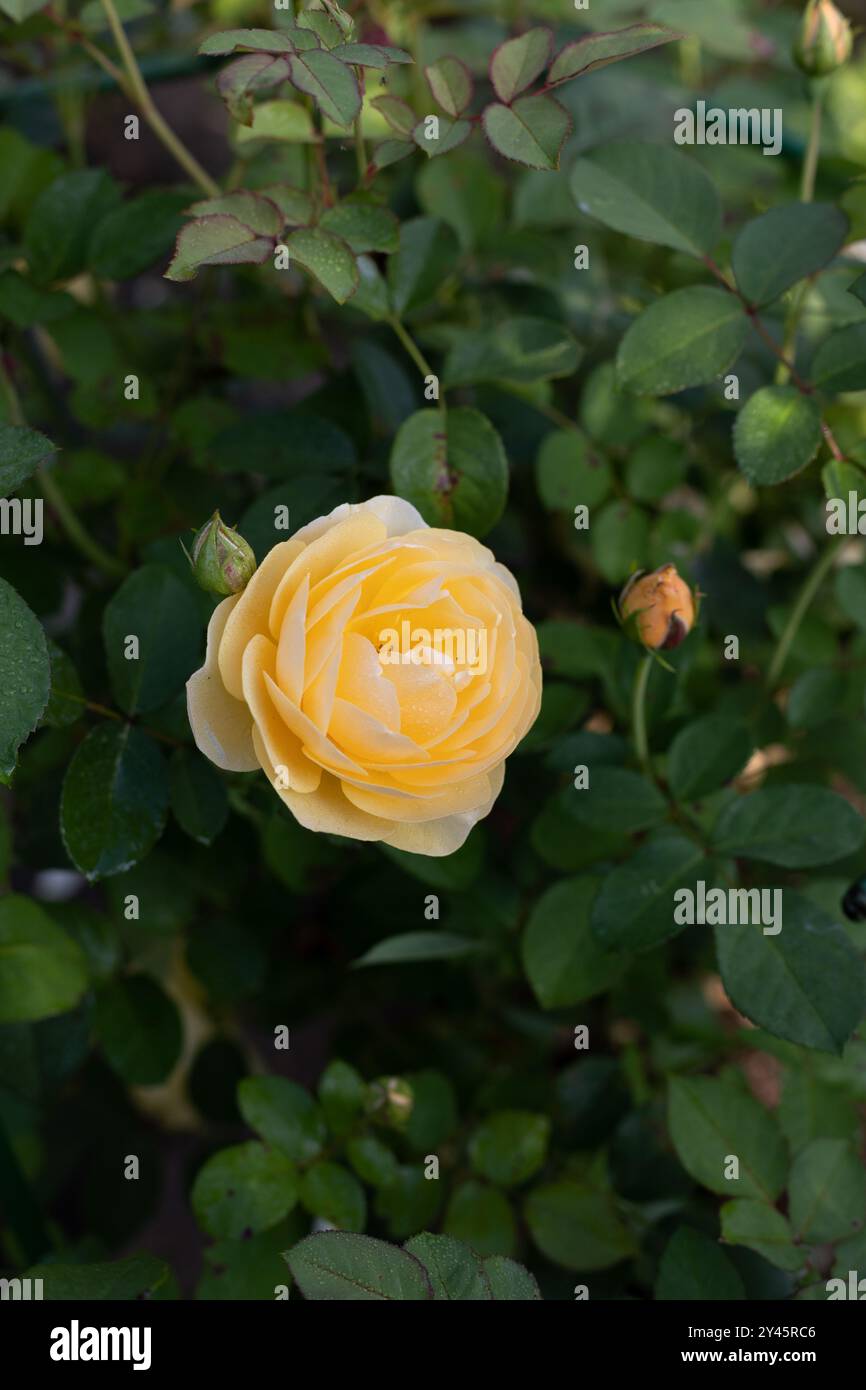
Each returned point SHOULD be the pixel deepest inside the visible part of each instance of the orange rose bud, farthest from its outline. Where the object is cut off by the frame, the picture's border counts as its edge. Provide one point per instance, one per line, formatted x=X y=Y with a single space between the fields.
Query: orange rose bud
x=662 y=606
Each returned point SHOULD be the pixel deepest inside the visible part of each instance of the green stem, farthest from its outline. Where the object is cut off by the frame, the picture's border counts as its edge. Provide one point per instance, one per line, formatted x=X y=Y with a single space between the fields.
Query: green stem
x=807 y=593
x=638 y=714
x=813 y=149
x=807 y=193
x=138 y=90
x=54 y=497
x=417 y=355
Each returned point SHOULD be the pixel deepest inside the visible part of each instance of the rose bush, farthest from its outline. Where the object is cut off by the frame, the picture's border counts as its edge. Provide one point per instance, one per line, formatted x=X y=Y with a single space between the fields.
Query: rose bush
x=387 y=288
x=409 y=752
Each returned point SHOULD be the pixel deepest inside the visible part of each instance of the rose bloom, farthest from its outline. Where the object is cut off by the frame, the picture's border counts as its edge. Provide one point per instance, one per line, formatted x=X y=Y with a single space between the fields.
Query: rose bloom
x=408 y=751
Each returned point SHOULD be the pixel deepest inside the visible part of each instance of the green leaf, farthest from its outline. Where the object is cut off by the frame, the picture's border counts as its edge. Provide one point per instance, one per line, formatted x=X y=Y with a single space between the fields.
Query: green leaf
x=693 y=1268
x=132 y=237
x=257 y=212
x=618 y=799
x=806 y=983
x=342 y=1092
x=531 y=132
x=516 y=63
x=482 y=1217
x=199 y=800
x=597 y=50
x=454 y=1271
x=328 y=258
x=763 y=1229
x=370 y=55
x=216 y=240
x=61 y=220
x=25 y=674
x=245 y=1188
x=510 y=1146
x=813 y=697
x=776 y=434
x=252 y=41
x=114 y=800
x=155 y=607
x=688 y=338
x=43 y=971
x=652 y=192
x=509 y=1281
x=839 y=364
x=827 y=1191
x=21 y=452
x=397 y=113
x=428 y=253
x=620 y=540
x=452 y=468
x=634 y=908
x=570 y=473
x=353 y=1268
x=562 y=958
x=654 y=469
x=363 y=226
x=785 y=245
x=296 y=206
x=577 y=1226
x=441 y=138
x=520 y=349
x=254 y=72
x=331 y=1193
x=451 y=873
x=711 y=1121
x=451 y=84
x=248 y=1269
x=706 y=754
x=372 y=1160
x=129 y=1280
x=139 y=1029
x=418 y=945
x=283 y=1114
x=332 y=84
x=798 y=827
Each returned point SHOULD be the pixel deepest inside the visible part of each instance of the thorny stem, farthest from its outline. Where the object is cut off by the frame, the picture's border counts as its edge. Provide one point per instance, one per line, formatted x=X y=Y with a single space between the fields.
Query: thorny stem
x=53 y=495
x=133 y=83
x=807 y=193
x=802 y=386
x=807 y=593
x=107 y=713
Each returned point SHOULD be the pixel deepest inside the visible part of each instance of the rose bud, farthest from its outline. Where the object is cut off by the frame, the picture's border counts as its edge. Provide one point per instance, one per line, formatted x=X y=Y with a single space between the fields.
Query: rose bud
x=661 y=605
x=390 y=1100
x=221 y=560
x=824 y=42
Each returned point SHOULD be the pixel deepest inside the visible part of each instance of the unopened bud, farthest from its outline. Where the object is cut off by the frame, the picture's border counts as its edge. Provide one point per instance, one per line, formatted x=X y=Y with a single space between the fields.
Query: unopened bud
x=221 y=560
x=389 y=1101
x=661 y=606
x=824 y=41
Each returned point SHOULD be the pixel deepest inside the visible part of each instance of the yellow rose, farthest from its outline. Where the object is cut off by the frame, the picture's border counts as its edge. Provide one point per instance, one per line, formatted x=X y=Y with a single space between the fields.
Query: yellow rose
x=662 y=605
x=379 y=671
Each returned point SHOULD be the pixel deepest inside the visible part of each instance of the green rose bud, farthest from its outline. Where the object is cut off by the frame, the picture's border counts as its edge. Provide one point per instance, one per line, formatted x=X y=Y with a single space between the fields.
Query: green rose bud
x=389 y=1101
x=824 y=42
x=221 y=560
